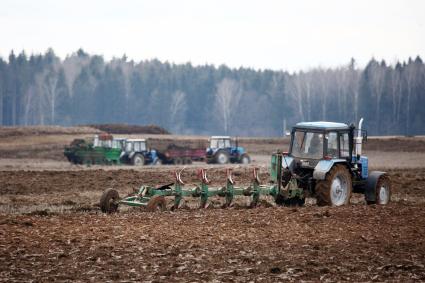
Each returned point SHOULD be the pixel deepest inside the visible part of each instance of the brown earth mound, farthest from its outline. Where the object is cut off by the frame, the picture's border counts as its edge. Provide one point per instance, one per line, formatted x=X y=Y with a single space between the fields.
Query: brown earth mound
x=45 y=130
x=123 y=129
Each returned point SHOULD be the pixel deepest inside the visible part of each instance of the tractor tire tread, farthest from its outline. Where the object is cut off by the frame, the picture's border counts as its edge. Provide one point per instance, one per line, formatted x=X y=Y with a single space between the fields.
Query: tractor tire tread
x=323 y=188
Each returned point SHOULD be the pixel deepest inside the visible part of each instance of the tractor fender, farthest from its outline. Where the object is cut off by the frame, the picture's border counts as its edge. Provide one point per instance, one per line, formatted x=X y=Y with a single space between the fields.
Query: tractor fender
x=370 y=188
x=324 y=166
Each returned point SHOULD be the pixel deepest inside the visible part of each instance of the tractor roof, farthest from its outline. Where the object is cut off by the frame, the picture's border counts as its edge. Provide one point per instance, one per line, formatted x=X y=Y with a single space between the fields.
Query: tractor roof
x=322 y=125
x=220 y=137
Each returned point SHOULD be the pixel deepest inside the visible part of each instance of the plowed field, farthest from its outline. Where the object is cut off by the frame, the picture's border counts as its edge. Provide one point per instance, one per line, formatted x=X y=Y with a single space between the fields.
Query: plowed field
x=51 y=228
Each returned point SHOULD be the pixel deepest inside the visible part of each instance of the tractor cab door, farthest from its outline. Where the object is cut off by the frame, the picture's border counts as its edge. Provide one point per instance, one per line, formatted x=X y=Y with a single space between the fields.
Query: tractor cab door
x=338 y=145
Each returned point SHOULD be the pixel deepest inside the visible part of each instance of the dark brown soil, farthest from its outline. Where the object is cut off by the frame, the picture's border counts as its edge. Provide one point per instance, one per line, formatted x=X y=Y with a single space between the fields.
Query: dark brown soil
x=45 y=130
x=124 y=129
x=354 y=243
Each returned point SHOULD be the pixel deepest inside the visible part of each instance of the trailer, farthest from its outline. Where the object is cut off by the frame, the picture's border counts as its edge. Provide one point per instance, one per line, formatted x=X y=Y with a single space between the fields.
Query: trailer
x=181 y=155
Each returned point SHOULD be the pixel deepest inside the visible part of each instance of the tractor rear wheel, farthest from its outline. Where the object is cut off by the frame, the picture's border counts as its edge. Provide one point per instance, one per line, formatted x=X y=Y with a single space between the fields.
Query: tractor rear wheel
x=335 y=190
x=138 y=160
x=383 y=191
x=109 y=201
x=222 y=157
x=156 y=203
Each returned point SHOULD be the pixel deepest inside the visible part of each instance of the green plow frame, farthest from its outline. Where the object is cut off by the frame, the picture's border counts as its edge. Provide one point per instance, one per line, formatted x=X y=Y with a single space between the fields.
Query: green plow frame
x=153 y=198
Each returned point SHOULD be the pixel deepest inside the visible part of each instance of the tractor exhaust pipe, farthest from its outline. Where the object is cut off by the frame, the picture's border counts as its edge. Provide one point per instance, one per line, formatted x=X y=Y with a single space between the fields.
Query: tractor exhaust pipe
x=359 y=138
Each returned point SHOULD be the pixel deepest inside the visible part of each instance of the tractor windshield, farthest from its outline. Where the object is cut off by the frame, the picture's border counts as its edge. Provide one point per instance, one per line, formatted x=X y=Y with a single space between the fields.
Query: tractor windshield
x=219 y=143
x=307 y=145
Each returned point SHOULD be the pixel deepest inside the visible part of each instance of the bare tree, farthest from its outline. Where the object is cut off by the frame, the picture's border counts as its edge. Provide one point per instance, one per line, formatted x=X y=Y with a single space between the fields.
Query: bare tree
x=411 y=75
x=72 y=67
x=227 y=98
x=377 y=74
x=396 y=94
x=178 y=108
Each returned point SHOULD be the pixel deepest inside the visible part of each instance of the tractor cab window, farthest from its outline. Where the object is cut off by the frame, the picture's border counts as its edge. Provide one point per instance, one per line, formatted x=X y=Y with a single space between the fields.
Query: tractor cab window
x=344 y=143
x=307 y=145
x=219 y=143
x=214 y=143
x=332 y=138
x=140 y=146
x=226 y=143
x=117 y=144
x=129 y=147
x=105 y=143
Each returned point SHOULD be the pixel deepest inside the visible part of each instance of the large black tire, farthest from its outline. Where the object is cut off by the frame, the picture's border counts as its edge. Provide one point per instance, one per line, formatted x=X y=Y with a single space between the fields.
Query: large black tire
x=156 y=203
x=138 y=160
x=383 y=191
x=336 y=189
x=245 y=159
x=222 y=157
x=109 y=201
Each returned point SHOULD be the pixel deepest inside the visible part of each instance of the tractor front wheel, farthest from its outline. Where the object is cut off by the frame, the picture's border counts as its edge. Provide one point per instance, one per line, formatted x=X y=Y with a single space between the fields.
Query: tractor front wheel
x=383 y=191
x=335 y=190
x=156 y=203
x=109 y=201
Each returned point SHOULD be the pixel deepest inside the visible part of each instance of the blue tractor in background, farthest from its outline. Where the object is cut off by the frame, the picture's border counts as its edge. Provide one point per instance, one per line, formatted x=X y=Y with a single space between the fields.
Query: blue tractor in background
x=137 y=153
x=222 y=151
x=325 y=161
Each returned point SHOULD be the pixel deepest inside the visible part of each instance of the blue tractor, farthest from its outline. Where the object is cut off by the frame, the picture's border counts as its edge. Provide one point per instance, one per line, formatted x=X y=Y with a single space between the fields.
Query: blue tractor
x=325 y=161
x=136 y=153
x=222 y=151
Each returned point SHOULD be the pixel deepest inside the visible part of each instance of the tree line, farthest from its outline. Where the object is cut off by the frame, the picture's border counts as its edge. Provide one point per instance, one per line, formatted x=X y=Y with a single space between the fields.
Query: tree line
x=43 y=89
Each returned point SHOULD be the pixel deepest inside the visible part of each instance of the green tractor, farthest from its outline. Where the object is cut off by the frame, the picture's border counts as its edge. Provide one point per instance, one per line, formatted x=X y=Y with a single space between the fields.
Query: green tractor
x=104 y=149
x=325 y=161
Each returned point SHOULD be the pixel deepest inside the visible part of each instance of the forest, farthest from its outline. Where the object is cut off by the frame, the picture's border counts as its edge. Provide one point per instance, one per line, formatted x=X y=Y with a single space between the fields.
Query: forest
x=43 y=89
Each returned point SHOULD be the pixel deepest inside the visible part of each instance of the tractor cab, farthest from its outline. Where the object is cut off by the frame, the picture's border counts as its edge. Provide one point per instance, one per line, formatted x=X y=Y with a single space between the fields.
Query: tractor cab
x=217 y=142
x=137 y=153
x=325 y=160
x=315 y=141
x=221 y=151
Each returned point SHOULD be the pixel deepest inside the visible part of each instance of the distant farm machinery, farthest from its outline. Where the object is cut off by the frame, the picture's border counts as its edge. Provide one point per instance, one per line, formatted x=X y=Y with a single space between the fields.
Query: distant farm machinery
x=324 y=161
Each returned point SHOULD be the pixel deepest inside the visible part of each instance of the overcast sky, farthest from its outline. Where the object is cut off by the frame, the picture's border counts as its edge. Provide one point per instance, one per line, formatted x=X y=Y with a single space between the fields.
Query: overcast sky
x=288 y=35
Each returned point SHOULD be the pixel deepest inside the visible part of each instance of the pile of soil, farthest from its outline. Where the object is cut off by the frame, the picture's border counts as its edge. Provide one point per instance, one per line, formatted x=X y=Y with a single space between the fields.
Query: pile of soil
x=21 y=131
x=123 y=129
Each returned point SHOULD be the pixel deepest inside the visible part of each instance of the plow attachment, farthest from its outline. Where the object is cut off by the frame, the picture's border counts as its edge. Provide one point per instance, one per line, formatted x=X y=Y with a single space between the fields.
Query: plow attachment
x=153 y=198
